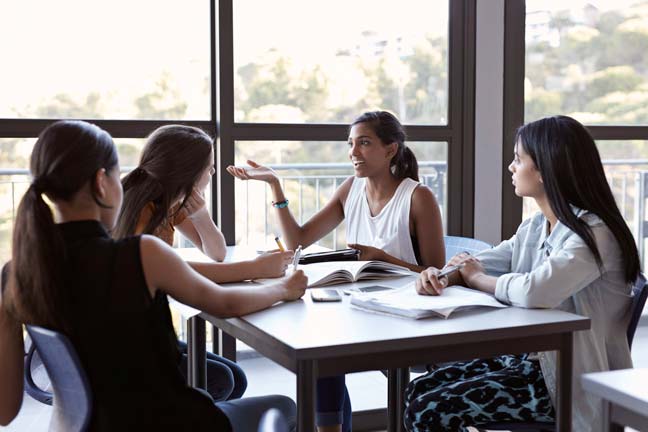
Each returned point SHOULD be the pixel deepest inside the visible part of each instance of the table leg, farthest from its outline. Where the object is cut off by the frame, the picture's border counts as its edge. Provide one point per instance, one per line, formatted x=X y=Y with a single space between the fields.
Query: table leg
x=403 y=380
x=223 y=344
x=396 y=384
x=306 y=384
x=196 y=353
x=564 y=370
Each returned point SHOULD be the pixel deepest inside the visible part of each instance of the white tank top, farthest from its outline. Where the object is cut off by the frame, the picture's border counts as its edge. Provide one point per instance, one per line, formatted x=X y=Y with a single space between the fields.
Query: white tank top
x=388 y=230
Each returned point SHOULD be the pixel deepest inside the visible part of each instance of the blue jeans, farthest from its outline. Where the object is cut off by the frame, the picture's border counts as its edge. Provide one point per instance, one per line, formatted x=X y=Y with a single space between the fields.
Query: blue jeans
x=333 y=403
x=244 y=414
x=225 y=379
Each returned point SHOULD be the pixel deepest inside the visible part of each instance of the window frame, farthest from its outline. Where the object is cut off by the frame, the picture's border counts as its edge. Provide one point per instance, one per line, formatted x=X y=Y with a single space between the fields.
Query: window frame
x=514 y=66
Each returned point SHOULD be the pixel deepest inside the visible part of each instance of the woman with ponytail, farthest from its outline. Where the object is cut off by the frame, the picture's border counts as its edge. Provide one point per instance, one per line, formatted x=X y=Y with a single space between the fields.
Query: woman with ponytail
x=109 y=297
x=165 y=192
x=389 y=217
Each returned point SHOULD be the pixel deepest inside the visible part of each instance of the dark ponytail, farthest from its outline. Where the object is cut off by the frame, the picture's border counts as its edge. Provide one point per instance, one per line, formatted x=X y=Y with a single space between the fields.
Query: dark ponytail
x=387 y=127
x=172 y=161
x=66 y=156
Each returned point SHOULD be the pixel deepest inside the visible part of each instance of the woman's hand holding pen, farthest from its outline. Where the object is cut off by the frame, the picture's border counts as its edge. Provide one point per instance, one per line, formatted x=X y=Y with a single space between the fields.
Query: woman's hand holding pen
x=462 y=269
x=294 y=286
x=471 y=268
x=272 y=264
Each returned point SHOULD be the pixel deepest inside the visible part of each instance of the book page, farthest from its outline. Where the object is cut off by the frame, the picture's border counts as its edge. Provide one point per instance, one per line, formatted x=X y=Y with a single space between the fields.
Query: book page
x=406 y=301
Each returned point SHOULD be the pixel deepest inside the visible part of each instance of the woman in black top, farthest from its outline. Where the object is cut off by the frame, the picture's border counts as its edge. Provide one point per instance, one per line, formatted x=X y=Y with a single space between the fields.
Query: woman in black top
x=110 y=297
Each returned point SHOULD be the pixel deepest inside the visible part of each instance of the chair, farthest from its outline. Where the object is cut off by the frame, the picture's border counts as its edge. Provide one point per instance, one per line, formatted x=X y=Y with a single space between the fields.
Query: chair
x=639 y=295
x=455 y=245
x=273 y=421
x=72 y=396
x=33 y=362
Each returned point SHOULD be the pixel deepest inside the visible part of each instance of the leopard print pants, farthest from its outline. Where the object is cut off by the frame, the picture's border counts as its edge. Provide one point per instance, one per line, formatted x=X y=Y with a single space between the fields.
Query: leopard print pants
x=477 y=392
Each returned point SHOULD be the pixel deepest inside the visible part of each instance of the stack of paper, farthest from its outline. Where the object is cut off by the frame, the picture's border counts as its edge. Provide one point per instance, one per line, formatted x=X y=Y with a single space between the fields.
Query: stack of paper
x=407 y=302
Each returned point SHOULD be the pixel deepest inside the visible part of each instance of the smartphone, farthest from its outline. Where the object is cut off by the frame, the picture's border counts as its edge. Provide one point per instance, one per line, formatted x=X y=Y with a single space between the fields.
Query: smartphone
x=325 y=295
x=373 y=288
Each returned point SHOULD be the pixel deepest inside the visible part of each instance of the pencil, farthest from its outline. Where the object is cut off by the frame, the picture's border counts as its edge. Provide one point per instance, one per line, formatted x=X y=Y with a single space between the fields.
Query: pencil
x=281 y=247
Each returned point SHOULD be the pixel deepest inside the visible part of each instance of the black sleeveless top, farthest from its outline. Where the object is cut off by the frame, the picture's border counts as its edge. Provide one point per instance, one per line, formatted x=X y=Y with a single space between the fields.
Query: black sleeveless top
x=125 y=339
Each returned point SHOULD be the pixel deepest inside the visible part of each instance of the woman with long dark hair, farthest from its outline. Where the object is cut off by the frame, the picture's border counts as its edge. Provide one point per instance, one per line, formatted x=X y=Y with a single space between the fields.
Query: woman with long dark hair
x=389 y=217
x=577 y=254
x=110 y=296
x=166 y=191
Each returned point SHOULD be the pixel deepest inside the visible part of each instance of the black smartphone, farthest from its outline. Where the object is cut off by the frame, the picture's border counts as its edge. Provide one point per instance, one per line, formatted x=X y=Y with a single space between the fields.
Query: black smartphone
x=325 y=295
x=373 y=288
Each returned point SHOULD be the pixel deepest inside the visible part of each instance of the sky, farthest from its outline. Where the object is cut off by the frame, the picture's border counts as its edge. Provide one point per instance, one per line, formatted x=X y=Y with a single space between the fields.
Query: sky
x=122 y=46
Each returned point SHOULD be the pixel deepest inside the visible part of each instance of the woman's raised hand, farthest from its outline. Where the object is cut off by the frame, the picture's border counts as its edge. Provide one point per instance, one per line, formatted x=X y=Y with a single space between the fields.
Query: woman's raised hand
x=253 y=172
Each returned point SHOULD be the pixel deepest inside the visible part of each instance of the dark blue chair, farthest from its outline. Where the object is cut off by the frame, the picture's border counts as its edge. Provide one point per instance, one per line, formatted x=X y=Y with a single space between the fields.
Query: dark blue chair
x=639 y=295
x=273 y=421
x=72 y=396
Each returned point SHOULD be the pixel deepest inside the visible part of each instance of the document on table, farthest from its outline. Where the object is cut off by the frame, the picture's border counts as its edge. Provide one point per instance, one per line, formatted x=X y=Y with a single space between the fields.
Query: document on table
x=407 y=302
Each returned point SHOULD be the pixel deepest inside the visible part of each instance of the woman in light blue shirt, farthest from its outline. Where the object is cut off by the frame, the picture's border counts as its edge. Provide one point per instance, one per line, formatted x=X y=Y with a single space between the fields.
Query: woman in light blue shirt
x=576 y=255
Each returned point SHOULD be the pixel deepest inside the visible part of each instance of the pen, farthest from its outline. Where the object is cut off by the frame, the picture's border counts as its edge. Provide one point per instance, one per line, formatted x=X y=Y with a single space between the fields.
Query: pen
x=449 y=270
x=296 y=258
x=281 y=247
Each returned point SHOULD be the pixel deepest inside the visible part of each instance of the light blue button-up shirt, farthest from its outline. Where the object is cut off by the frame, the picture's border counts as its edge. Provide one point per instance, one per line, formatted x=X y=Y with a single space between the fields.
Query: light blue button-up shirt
x=536 y=270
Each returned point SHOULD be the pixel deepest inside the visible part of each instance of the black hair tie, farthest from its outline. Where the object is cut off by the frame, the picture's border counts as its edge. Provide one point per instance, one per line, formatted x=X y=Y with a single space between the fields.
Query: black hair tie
x=39 y=184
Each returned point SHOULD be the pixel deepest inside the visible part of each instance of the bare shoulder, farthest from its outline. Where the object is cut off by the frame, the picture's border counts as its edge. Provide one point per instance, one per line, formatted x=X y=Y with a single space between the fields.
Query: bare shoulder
x=342 y=191
x=423 y=199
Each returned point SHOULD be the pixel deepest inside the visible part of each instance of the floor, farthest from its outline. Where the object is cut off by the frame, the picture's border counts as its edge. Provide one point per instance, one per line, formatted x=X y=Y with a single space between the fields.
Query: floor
x=368 y=390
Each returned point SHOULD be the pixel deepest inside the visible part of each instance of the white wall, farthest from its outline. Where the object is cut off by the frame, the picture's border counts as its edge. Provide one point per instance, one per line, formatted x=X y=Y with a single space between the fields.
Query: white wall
x=489 y=92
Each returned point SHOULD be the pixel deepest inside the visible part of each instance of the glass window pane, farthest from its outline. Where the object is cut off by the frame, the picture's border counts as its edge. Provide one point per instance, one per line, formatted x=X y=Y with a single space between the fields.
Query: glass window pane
x=626 y=168
x=14 y=178
x=587 y=60
x=310 y=185
x=122 y=59
x=324 y=62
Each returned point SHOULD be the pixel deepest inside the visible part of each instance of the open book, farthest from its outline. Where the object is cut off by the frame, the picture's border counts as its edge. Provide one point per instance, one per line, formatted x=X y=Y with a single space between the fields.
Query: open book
x=408 y=303
x=337 y=272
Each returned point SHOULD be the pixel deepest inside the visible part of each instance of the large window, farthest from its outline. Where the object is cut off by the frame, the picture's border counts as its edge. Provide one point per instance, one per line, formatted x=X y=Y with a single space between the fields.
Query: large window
x=586 y=59
x=96 y=60
x=326 y=62
x=292 y=81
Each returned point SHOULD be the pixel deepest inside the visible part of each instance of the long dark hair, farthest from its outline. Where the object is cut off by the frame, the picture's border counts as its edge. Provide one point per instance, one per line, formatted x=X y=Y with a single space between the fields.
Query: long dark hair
x=172 y=161
x=387 y=127
x=572 y=173
x=66 y=157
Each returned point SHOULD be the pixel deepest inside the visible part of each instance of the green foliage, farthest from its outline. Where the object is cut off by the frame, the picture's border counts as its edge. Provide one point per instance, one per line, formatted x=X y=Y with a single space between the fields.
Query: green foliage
x=597 y=71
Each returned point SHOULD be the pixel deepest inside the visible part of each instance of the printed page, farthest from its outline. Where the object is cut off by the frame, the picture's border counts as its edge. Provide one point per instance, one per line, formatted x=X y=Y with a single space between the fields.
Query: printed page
x=407 y=302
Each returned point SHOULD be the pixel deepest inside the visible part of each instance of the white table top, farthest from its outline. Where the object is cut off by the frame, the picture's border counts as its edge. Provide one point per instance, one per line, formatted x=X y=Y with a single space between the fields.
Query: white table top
x=627 y=388
x=315 y=328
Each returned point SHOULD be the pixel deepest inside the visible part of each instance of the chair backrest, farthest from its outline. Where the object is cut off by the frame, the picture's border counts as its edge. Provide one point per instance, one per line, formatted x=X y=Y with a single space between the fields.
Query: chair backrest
x=455 y=245
x=273 y=421
x=72 y=396
x=639 y=294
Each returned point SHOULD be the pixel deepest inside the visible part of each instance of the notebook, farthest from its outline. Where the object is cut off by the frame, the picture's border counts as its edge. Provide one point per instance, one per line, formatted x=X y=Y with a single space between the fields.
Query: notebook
x=406 y=302
x=337 y=272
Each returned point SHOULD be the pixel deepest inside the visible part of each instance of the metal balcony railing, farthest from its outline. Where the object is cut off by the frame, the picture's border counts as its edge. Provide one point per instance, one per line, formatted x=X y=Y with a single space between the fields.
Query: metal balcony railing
x=309 y=186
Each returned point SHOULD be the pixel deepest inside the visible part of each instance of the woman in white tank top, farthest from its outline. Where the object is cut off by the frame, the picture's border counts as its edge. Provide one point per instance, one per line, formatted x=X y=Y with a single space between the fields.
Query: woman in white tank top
x=389 y=217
